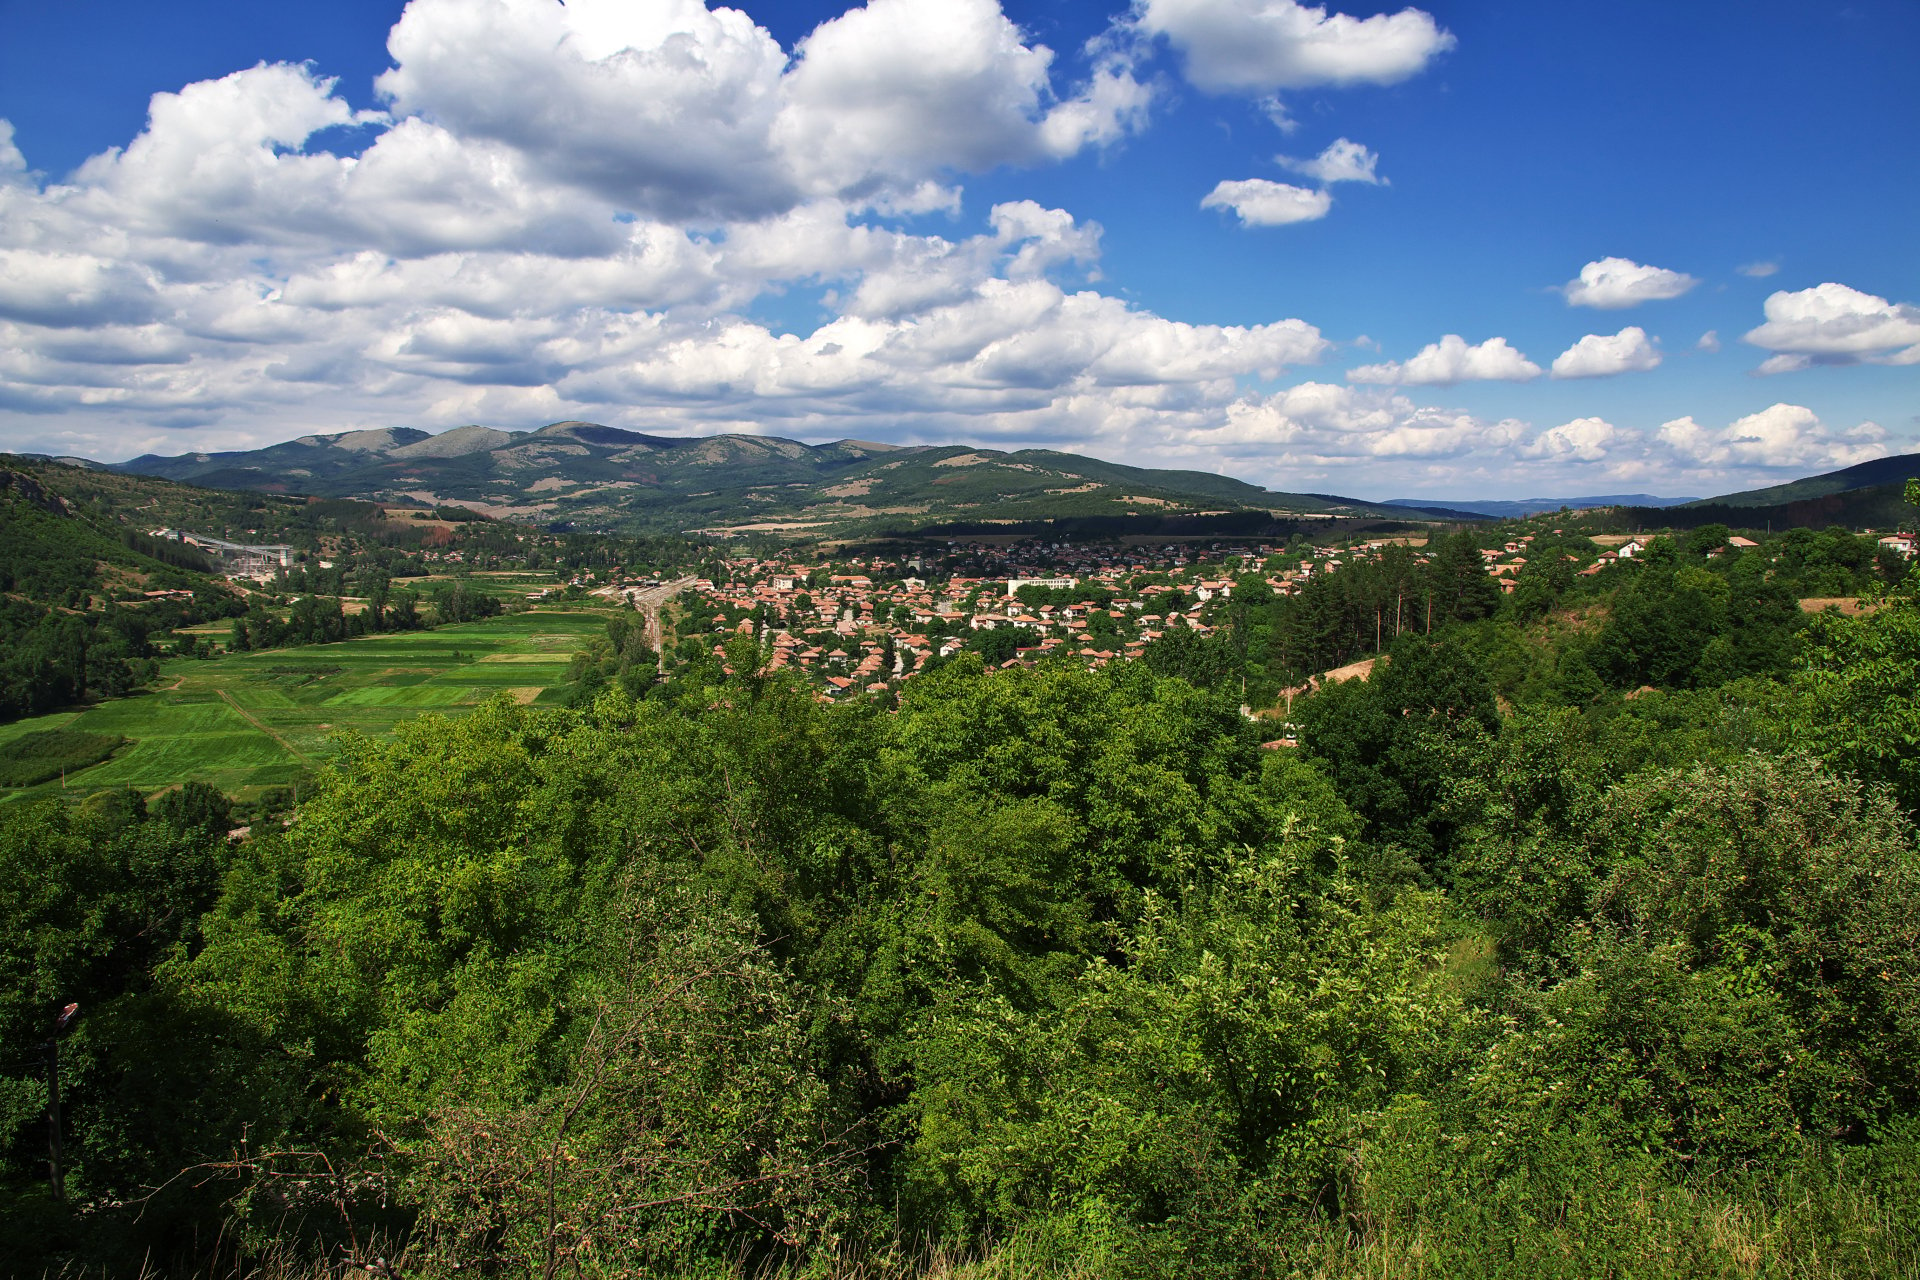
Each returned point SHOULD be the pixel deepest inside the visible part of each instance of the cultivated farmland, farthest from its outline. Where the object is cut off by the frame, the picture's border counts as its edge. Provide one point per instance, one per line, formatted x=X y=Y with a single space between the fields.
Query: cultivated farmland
x=255 y=720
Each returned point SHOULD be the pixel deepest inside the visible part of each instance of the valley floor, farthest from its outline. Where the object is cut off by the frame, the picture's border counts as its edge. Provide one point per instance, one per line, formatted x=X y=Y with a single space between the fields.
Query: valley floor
x=248 y=721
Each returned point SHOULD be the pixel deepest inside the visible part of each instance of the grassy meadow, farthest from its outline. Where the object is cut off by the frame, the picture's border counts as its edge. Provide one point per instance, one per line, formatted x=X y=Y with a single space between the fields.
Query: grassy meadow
x=248 y=721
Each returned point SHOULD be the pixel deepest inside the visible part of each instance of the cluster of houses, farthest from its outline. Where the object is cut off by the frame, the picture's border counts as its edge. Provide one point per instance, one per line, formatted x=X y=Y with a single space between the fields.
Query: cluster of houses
x=864 y=625
x=868 y=623
x=1505 y=562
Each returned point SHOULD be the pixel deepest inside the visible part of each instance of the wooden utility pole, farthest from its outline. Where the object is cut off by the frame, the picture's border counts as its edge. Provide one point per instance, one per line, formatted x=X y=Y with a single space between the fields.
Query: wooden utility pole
x=56 y=1173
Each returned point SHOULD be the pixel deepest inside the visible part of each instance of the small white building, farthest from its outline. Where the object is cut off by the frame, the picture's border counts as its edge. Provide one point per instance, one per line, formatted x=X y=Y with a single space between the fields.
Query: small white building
x=1014 y=584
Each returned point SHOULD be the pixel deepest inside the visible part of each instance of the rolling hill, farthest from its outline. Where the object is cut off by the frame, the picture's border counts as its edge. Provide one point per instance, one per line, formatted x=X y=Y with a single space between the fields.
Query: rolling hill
x=1519 y=508
x=1896 y=470
x=1869 y=495
x=604 y=478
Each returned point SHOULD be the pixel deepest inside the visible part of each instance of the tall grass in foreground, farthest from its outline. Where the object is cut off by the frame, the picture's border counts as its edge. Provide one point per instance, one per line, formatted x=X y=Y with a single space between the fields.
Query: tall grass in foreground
x=1808 y=1227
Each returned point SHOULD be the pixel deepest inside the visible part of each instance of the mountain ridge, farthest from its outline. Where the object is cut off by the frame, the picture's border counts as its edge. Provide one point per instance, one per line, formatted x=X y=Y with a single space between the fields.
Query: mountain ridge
x=1877 y=473
x=591 y=475
x=1517 y=508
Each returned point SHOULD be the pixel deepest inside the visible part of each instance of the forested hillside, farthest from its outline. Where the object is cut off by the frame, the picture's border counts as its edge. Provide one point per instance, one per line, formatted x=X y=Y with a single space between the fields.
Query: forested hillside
x=1500 y=972
x=75 y=616
x=1692 y=612
x=606 y=478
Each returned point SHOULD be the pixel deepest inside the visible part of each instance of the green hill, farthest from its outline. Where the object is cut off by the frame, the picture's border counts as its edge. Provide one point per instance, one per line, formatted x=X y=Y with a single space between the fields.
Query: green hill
x=59 y=541
x=1880 y=472
x=76 y=615
x=604 y=478
x=1869 y=495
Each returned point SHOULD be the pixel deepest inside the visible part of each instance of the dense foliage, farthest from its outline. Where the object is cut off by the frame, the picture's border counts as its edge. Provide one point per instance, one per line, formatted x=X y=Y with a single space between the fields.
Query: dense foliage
x=1052 y=964
x=1689 y=613
x=1575 y=940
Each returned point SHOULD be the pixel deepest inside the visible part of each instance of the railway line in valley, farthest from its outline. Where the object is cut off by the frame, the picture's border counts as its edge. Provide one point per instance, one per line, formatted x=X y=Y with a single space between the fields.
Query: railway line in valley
x=649 y=602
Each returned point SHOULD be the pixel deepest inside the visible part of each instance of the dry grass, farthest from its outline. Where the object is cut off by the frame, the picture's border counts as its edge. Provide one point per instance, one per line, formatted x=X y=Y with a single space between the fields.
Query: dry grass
x=1851 y=606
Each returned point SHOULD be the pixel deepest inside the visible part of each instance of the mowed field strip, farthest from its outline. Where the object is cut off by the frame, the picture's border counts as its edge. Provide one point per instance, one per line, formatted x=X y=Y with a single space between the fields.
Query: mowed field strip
x=254 y=720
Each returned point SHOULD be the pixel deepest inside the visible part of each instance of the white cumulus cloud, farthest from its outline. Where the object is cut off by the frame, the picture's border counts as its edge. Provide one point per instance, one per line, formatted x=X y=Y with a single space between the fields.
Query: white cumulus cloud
x=1262 y=46
x=1452 y=360
x=13 y=165
x=1613 y=283
x=685 y=112
x=1342 y=161
x=1781 y=435
x=66 y=290
x=1602 y=355
x=1583 y=440
x=588 y=210
x=1263 y=203
x=1318 y=424
x=1833 y=324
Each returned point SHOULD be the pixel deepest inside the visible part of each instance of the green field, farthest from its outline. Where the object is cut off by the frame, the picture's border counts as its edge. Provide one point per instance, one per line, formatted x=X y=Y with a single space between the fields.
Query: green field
x=255 y=720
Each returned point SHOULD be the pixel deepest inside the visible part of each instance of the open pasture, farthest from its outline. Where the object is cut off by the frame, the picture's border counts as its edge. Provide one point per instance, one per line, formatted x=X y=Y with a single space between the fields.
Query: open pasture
x=248 y=721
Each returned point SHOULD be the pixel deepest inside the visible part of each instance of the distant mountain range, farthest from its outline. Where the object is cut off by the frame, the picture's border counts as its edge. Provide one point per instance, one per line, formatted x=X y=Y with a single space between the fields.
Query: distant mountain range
x=598 y=477
x=1516 y=508
x=1866 y=496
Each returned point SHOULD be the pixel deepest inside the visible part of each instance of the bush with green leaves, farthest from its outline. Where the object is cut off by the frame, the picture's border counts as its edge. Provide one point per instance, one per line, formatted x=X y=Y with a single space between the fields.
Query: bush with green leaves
x=1044 y=968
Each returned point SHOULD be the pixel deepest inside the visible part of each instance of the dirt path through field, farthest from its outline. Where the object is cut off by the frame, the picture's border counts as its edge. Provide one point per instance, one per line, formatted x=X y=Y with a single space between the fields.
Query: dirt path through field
x=259 y=724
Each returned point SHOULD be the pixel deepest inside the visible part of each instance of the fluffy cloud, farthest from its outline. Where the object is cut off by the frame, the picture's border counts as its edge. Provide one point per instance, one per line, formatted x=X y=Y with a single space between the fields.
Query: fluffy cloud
x=1832 y=324
x=1321 y=428
x=684 y=112
x=1613 y=283
x=1007 y=345
x=1261 y=203
x=588 y=210
x=1317 y=424
x=1781 y=435
x=1451 y=360
x=13 y=165
x=1342 y=161
x=1601 y=355
x=67 y=290
x=1262 y=46
x=1583 y=440
x=572 y=208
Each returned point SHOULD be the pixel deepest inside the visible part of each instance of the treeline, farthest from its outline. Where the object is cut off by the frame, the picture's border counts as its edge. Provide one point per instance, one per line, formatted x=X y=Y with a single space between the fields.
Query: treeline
x=56 y=657
x=1050 y=972
x=170 y=552
x=324 y=620
x=1694 y=610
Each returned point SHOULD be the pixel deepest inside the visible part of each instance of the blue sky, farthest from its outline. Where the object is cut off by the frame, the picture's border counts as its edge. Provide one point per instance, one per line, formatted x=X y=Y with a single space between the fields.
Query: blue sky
x=1335 y=249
